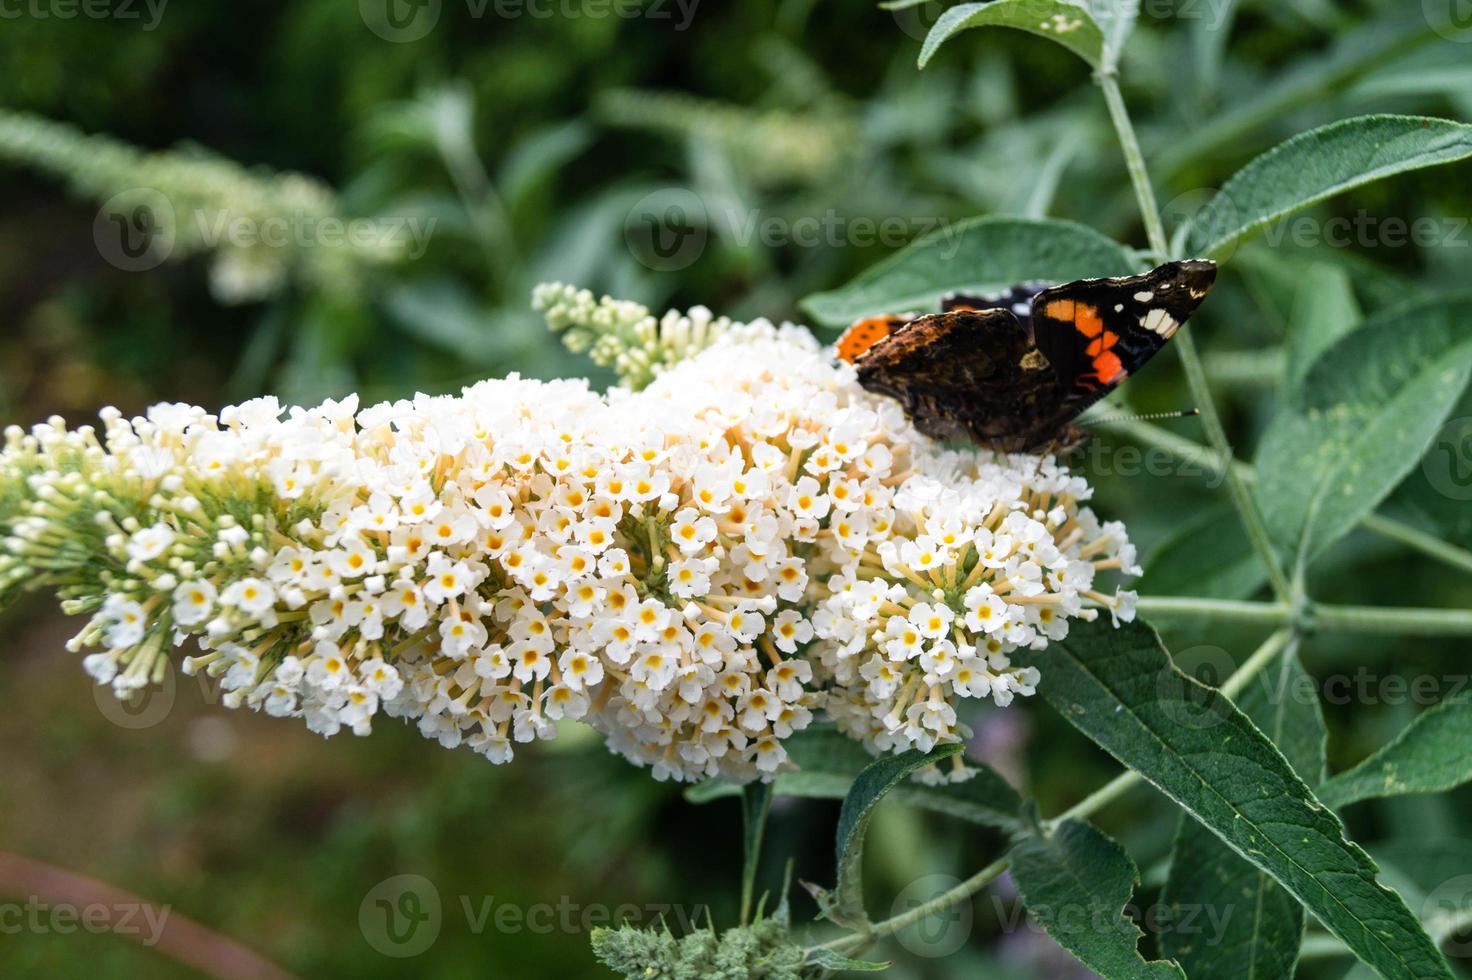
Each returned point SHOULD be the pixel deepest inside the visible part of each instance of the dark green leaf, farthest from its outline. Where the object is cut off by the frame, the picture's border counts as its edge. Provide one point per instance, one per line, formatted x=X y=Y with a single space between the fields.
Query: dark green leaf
x=979 y=255
x=1119 y=687
x=830 y=762
x=1438 y=496
x=1075 y=883
x=1432 y=754
x=1365 y=414
x=537 y=158
x=1070 y=24
x=1316 y=165
x=1229 y=920
x=853 y=823
x=1210 y=556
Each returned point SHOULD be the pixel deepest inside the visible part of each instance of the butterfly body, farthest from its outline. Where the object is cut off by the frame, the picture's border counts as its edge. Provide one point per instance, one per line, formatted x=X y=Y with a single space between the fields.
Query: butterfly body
x=1012 y=371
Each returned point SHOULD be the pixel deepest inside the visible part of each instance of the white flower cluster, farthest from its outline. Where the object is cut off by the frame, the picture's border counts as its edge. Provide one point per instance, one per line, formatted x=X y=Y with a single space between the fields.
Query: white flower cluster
x=696 y=569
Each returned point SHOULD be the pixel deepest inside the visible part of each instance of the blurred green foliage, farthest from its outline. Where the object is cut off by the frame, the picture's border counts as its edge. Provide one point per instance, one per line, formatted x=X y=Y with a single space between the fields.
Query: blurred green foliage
x=534 y=144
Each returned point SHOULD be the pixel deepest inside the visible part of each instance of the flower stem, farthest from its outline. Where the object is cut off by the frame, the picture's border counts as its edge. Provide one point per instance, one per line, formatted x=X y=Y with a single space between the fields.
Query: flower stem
x=1185 y=346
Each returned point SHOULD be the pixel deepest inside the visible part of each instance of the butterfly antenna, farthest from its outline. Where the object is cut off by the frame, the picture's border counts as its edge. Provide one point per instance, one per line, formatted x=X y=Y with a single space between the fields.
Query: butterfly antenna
x=1184 y=413
x=1053 y=447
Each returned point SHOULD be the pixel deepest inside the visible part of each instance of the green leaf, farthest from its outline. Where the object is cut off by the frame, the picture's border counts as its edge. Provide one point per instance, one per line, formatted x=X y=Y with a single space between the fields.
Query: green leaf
x=1433 y=754
x=829 y=762
x=1209 y=556
x=1365 y=414
x=853 y=824
x=1316 y=165
x=1075 y=883
x=1438 y=494
x=979 y=255
x=756 y=800
x=540 y=156
x=1120 y=688
x=1228 y=919
x=1070 y=24
x=1324 y=311
x=826 y=959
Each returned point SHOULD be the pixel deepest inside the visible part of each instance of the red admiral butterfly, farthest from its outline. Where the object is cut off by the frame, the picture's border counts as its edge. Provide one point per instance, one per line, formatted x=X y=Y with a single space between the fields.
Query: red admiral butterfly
x=1013 y=370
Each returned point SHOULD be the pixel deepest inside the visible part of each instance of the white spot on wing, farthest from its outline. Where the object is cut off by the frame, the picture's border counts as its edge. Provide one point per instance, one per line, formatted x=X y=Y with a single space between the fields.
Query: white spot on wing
x=1119 y=307
x=1144 y=297
x=1159 y=322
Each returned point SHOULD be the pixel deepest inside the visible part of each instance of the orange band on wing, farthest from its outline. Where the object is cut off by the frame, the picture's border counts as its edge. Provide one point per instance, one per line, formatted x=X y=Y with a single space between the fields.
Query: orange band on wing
x=1107 y=368
x=864 y=334
x=1084 y=316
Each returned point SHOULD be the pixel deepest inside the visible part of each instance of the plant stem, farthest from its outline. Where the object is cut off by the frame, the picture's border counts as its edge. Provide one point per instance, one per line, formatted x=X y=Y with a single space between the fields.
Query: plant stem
x=1428 y=544
x=1135 y=162
x=893 y=924
x=1185 y=346
x=1380 y=621
x=1089 y=805
x=1318 y=617
x=1260 y=660
x=1217 y=610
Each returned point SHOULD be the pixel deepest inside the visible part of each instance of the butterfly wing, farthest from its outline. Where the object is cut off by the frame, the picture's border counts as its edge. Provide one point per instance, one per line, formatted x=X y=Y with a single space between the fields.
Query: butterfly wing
x=865 y=333
x=963 y=374
x=1097 y=332
x=1018 y=299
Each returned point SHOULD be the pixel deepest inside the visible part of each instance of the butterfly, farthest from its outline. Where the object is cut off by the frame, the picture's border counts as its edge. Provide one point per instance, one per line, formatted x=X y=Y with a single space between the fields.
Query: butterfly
x=1012 y=371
